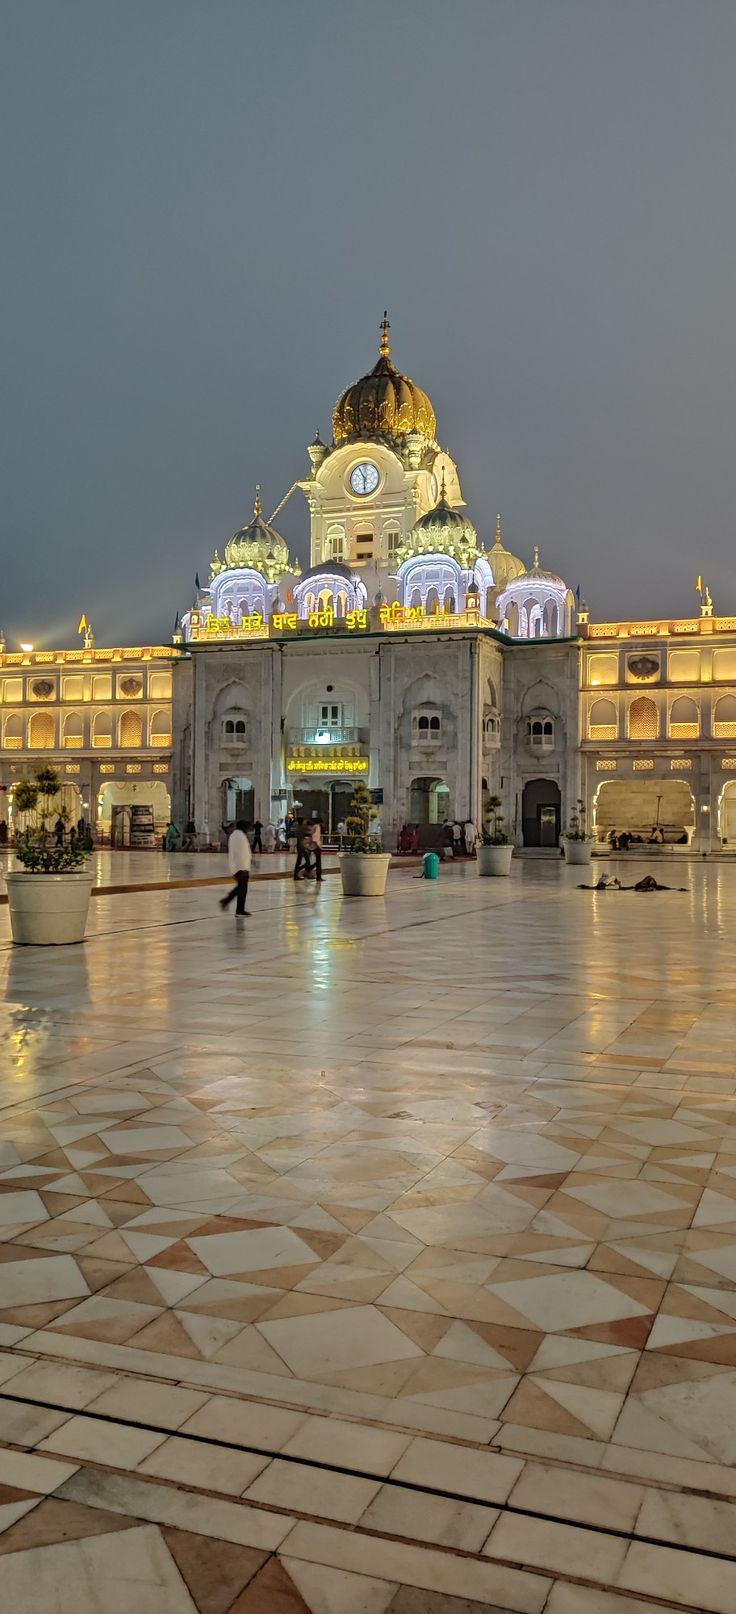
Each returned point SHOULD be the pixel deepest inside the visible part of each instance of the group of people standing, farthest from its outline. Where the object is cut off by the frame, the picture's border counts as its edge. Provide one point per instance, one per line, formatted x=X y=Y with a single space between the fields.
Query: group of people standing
x=80 y=834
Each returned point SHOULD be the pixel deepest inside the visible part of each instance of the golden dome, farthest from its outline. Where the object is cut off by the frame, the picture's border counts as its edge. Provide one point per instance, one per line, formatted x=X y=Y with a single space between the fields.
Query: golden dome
x=383 y=404
x=504 y=565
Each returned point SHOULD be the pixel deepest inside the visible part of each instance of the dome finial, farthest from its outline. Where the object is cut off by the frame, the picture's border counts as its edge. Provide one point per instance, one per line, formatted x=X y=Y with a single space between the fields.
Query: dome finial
x=443 y=489
x=498 y=529
x=384 y=346
x=535 y=561
x=257 y=501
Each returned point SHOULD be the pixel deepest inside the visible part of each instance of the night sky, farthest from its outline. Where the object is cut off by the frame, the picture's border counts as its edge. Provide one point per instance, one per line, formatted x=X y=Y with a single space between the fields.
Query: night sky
x=206 y=207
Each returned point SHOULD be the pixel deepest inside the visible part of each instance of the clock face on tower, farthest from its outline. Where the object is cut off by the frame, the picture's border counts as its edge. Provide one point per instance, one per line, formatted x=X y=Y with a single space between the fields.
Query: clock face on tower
x=364 y=478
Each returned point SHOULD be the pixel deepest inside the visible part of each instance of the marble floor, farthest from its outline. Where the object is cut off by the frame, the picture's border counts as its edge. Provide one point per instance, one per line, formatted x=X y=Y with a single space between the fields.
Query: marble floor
x=372 y=1256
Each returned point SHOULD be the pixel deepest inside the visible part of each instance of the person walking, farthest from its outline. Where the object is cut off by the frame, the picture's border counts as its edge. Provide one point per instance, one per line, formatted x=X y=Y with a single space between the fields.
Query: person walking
x=238 y=858
x=470 y=837
x=269 y=837
x=59 y=831
x=303 y=847
x=257 y=834
x=317 y=849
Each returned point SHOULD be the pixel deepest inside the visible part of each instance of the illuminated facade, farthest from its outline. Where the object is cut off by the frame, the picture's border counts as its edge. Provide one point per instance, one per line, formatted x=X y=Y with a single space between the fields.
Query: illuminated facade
x=658 y=727
x=383 y=659
x=102 y=718
x=415 y=652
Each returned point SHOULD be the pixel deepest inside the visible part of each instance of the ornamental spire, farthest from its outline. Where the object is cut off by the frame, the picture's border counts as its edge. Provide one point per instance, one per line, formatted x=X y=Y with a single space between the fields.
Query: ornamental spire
x=498 y=529
x=535 y=562
x=384 y=346
x=443 y=489
x=257 y=502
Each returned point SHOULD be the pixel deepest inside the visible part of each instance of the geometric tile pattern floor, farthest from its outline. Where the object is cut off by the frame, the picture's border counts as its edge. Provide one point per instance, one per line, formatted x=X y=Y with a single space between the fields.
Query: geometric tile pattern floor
x=373 y=1256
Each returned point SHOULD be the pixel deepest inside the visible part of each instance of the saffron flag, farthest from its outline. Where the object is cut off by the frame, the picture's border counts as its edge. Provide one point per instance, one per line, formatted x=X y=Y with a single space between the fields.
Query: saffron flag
x=83 y=624
x=699 y=584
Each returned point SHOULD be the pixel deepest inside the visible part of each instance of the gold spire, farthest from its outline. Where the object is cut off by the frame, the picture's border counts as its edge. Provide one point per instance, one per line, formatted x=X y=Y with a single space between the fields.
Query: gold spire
x=443 y=489
x=498 y=529
x=384 y=346
x=535 y=561
x=257 y=502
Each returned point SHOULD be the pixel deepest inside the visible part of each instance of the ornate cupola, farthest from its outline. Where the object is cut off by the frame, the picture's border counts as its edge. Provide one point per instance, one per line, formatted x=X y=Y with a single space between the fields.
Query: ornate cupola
x=383 y=405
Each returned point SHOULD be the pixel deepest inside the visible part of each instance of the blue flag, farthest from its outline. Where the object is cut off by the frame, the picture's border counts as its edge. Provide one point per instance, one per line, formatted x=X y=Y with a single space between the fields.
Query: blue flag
x=197 y=583
x=577 y=593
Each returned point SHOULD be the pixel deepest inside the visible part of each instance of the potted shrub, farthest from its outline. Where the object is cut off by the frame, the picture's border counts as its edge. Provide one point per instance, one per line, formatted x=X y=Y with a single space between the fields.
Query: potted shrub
x=364 y=865
x=495 y=850
x=578 y=843
x=49 y=896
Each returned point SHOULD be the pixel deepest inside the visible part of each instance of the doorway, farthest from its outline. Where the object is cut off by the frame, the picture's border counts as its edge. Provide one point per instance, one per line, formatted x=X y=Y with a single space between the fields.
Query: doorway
x=429 y=801
x=540 y=813
x=237 y=800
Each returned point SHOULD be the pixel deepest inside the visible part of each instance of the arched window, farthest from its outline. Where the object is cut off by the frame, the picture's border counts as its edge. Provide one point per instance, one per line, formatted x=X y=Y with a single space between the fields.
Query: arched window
x=325 y=599
x=234 y=730
x=513 y=619
x=335 y=544
x=541 y=733
x=341 y=603
x=684 y=719
x=603 y=721
x=130 y=731
x=393 y=542
x=416 y=600
x=310 y=604
x=427 y=727
x=644 y=719
x=432 y=603
x=42 y=732
x=73 y=736
x=724 y=718
x=449 y=600
x=102 y=731
x=160 y=730
x=13 y=734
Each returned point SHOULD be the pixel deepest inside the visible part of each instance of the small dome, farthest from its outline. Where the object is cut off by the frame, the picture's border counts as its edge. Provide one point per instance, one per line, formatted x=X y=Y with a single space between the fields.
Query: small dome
x=328 y=568
x=535 y=574
x=504 y=565
x=442 y=531
x=383 y=403
x=258 y=546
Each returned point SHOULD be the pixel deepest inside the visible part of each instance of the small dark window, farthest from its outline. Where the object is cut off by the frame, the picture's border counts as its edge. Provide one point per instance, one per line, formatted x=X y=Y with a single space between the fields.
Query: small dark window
x=434 y=724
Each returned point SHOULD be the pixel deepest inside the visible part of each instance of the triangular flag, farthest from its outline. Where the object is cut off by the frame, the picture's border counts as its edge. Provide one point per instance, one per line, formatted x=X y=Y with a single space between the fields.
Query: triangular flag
x=82 y=624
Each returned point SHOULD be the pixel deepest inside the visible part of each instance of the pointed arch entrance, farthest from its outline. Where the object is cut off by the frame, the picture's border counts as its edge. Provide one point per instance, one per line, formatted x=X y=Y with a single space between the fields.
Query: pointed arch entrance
x=540 y=812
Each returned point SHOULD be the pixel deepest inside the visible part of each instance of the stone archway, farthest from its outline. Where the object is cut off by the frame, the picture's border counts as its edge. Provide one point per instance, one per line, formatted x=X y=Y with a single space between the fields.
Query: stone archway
x=540 y=812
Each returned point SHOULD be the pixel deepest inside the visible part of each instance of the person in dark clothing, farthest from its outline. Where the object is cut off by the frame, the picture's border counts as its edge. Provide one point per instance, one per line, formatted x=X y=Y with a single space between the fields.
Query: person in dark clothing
x=303 y=847
x=59 y=831
x=257 y=845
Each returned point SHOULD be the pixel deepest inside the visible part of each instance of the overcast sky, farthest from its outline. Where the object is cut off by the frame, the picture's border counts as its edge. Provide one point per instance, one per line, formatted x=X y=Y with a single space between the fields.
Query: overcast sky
x=206 y=207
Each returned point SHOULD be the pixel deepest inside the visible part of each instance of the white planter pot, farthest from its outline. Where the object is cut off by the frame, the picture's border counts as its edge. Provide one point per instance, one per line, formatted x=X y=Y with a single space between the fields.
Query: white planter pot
x=578 y=851
x=47 y=910
x=495 y=860
x=364 y=874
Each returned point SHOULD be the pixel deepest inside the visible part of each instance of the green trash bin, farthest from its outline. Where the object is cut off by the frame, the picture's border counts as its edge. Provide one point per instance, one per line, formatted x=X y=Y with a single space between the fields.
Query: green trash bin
x=430 y=866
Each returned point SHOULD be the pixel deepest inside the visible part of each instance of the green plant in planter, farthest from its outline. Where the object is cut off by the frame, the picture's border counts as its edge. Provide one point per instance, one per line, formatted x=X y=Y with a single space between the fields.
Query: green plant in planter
x=358 y=820
x=576 y=830
x=495 y=835
x=39 y=855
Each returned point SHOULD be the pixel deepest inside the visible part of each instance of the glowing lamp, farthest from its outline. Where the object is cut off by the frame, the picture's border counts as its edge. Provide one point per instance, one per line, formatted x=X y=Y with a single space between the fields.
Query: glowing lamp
x=26 y=648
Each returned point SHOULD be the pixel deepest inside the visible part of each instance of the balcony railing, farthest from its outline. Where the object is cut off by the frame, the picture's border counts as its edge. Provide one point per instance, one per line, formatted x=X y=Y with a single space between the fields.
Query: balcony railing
x=326 y=734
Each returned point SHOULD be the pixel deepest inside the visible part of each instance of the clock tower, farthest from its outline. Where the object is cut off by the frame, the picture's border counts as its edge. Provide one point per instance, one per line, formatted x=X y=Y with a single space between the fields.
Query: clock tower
x=382 y=472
